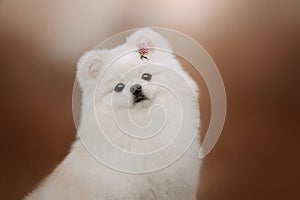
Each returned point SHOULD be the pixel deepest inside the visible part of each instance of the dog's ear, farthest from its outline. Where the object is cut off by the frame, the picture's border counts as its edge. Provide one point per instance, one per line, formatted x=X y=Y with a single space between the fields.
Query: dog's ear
x=89 y=66
x=149 y=39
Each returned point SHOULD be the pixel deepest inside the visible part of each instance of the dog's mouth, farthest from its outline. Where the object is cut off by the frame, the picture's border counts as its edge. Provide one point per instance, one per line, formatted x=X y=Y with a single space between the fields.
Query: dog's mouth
x=139 y=98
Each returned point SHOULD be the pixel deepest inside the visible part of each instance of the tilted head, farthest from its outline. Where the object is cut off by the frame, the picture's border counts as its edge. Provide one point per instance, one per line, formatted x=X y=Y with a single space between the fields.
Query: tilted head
x=139 y=97
x=134 y=75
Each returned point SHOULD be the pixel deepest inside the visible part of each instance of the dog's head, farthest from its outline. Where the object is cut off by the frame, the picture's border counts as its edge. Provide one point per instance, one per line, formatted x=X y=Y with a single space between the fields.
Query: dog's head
x=136 y=74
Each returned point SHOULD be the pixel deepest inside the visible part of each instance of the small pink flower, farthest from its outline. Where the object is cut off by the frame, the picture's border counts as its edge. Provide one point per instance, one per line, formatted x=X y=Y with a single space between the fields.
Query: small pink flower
x=143 y=49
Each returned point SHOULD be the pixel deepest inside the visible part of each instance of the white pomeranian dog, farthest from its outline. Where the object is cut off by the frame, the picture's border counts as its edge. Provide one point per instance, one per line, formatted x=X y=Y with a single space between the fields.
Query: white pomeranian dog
x=138 y=132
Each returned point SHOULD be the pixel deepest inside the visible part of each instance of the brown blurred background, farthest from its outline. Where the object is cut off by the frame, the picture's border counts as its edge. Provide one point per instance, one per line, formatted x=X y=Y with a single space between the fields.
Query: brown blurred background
x=255 y=44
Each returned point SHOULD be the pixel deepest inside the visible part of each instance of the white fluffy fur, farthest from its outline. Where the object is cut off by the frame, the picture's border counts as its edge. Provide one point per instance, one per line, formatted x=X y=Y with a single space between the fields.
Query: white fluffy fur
x=80 y=176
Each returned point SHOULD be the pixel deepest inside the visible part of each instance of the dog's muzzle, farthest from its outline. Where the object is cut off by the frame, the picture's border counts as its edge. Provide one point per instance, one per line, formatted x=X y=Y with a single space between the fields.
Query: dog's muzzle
x=137 y=93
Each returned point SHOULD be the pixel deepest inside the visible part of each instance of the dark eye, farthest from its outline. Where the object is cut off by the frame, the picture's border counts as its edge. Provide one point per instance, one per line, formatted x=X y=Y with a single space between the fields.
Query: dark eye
x=119 y=87
x=147 y=76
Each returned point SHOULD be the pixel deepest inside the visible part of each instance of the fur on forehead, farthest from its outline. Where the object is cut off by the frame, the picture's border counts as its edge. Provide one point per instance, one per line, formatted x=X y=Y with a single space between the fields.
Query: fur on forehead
x=126 y=56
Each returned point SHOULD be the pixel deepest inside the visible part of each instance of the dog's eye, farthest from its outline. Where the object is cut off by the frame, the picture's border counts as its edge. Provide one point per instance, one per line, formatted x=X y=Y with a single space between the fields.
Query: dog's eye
x=147 y=76
x=119 y=87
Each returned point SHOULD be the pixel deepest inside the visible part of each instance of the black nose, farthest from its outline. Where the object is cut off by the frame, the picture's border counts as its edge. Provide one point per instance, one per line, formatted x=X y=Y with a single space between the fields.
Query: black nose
x=136 y=89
